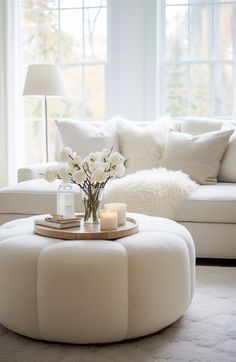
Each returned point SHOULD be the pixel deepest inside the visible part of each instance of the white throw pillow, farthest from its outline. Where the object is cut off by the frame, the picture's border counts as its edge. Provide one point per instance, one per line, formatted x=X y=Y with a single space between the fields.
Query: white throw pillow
x=142 y=146
x=84 y=137
x=227 y=171
x=198 y=156
x=196 y=126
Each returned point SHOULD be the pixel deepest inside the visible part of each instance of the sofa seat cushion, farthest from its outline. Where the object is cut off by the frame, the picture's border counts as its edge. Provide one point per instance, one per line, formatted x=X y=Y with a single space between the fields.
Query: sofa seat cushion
x=210 y=203
x=32 y=197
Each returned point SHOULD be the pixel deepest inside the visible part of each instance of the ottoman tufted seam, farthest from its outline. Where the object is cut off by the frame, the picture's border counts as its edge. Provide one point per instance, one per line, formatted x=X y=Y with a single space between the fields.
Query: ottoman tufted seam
x=127 y=259
x=12 y=237
x=190 y=270
x=192 y=282
x=189 y=252
x=37 y=296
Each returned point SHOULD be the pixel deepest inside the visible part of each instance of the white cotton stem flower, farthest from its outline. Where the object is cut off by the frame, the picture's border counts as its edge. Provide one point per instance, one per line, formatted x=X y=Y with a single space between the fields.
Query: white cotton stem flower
x=120 y=170
x=99 y=176
x=116 y=158
x=65 y=154
x=96 y=168
x=63 y=173
x=79 y=176
x=50 y=174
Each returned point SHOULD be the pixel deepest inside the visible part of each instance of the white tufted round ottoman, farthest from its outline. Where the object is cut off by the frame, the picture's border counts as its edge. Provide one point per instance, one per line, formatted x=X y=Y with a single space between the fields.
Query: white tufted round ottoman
x=95 y=291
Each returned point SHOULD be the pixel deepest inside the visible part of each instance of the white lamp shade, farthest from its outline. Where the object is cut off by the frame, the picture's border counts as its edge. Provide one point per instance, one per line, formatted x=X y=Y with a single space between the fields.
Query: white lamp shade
x=43 y=79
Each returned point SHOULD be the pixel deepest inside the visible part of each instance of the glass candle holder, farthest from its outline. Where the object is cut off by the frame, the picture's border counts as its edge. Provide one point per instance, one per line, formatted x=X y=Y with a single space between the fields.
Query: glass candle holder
x=65 y=200
x=120 y=209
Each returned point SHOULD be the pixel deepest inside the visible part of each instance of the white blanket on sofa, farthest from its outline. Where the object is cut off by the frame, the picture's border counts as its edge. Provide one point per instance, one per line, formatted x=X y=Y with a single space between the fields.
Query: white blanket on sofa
x=157 y=192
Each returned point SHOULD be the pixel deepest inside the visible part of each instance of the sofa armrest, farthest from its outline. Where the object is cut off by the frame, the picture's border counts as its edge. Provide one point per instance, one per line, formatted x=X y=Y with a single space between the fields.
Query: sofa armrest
x=34 y=171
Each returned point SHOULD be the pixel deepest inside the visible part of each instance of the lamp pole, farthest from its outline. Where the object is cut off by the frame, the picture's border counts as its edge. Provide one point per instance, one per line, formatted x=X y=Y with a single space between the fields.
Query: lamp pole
x=44 y=80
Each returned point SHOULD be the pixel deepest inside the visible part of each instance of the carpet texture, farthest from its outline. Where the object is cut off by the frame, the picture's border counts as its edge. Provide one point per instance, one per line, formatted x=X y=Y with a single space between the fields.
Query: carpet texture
x=207 y=332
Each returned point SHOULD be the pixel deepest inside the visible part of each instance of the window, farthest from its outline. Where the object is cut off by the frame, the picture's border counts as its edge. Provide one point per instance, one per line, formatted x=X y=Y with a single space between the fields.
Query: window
x=72 y=34
x=198 y=55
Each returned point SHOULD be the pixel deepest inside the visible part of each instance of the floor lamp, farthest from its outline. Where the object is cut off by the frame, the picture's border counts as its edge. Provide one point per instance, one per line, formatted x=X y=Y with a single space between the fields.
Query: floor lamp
x=44 y=80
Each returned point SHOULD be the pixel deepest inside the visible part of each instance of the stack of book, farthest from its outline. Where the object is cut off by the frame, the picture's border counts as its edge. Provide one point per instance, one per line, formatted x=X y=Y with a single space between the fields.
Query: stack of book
x=59 y=222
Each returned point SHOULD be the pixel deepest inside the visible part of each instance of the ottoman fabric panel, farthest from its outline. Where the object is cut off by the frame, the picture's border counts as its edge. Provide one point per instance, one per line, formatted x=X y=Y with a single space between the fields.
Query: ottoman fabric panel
x=18 y=280
x=157 y=263
x=83 y=292
x=158 y=224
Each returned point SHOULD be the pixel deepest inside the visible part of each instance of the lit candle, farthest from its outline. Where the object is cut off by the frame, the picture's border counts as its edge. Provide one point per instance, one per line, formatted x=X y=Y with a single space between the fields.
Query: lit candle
x=121 y=211
x=108 y=220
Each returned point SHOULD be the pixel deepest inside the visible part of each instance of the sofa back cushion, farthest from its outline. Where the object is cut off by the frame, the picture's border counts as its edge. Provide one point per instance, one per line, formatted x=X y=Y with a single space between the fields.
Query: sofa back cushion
x=85 y=137
x=199 y=156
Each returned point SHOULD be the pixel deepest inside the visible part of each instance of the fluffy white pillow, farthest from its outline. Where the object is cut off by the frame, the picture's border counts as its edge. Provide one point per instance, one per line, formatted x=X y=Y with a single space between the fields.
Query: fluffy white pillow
x=198 y=156
x=84 y=137
x=142 y=145
x=227 y=171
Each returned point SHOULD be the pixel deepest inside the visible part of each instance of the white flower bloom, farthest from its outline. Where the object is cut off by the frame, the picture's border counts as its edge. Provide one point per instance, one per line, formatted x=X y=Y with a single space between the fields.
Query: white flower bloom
x=65 y=154
x=101 y=165
x=116 y=158
x=93 y=157
x=120 y=170
x=50 y=174
x=99 y=175
x=79 y=176
x=77 y=160
x=97 y=167
x=112 y=170
x=63 y=173
x=75 y=164
x=104 y=155
x=71 y=168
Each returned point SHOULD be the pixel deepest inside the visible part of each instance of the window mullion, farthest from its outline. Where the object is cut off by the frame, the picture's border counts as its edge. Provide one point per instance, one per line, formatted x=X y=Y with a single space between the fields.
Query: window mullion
x=83 y=71
x=189 y=91
x=161 y=52
x=234 y=61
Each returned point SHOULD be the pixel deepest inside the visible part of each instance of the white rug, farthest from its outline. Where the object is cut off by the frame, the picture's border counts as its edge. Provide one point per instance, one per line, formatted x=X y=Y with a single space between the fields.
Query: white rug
x=155 y=192
x=207 y=332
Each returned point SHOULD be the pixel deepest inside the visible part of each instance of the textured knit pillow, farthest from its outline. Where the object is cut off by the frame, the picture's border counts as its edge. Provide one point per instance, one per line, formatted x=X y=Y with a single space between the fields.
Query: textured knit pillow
x=198 y=156
x=142 y=145
x=84 y=137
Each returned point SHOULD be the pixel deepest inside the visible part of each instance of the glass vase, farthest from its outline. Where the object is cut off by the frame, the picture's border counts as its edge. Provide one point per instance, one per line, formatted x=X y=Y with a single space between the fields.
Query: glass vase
x=92 y=198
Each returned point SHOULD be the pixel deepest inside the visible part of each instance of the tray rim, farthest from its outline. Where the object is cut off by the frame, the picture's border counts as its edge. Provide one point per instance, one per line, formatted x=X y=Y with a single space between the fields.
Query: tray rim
x=78 y=234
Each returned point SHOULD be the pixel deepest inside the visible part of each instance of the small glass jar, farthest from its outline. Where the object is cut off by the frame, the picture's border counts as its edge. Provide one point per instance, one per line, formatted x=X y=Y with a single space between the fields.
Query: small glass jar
x=65 y=200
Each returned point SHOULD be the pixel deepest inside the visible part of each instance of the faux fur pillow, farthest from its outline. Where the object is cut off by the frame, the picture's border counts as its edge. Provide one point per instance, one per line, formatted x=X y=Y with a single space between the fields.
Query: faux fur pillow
x=197 y=156
x=142 y=146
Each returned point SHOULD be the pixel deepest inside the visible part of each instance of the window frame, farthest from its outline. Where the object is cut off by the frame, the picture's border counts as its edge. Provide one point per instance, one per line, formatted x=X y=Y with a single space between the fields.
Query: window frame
x=82 y=64
x=212 y=60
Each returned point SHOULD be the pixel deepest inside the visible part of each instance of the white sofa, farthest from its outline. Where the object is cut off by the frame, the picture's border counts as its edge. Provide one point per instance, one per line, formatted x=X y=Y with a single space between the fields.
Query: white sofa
x=209 y=213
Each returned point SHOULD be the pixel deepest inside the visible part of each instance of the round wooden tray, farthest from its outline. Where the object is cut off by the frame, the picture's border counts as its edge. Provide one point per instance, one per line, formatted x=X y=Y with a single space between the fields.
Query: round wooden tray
x=89 y=232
